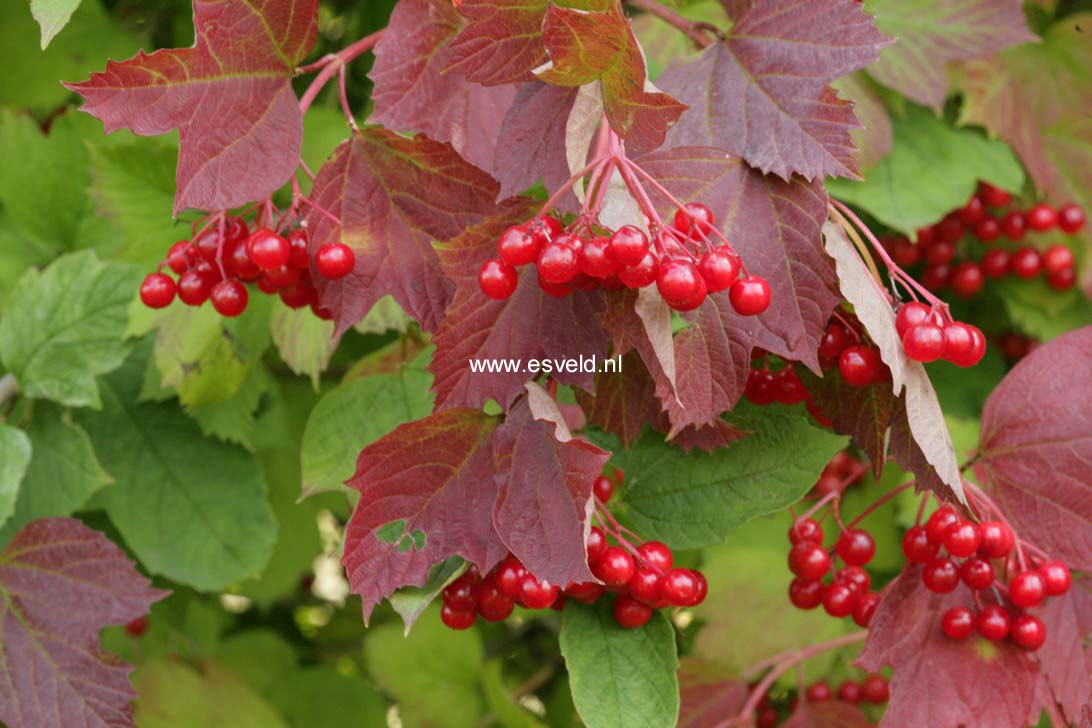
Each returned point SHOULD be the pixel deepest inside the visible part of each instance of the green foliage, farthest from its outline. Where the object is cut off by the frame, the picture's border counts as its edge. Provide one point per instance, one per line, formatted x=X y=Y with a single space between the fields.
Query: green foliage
x=15 y=456
x=177 y=695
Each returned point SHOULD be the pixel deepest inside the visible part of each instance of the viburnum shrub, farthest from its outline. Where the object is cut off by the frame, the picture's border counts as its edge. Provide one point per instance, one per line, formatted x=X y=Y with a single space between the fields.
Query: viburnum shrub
x=599 y=362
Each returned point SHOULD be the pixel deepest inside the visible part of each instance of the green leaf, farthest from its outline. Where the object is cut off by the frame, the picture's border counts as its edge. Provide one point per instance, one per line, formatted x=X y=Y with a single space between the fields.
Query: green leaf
x=233 y=419
x=690 y=500
x=385 y=315
x=1039 y=311
x=64 y=326
x=52 y=16
x=15 y=454
x=509 y=714
x=304 y=341
x=933 y=168
x=410 y=602
x=355 y=415
x=192 y=509
x=620 y=678
x=260 y=656
x=433 y=673
x=175 y=695
x=63 y=473
x=322 y=697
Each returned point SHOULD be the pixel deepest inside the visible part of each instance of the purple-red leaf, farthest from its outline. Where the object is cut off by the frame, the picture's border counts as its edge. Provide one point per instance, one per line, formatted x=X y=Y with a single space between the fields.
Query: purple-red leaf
x=707 y=696
x=763 y=92
x=830 y=714
x=531 y=141
x=624 y=402
x=864 y=413
x=393 y=197
x=230 y=97
x=501 y=41
x=939 y=682
x=1035 y=450
x=1064 y=678
x=60 y=583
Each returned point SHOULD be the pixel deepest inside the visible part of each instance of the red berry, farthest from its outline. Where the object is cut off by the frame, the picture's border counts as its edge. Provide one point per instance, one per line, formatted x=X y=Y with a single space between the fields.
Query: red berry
x=603 y=488
x=238 y=262
x=808 y=560
x=973 y=212
x=558 y=262
x=768 y=717
x=641 y=274
x=910 y=315
x=924 y=342
x=1056 y=578
x=587 y=592
x=818 y=692
x=875 y=690
x=681 y=285
x=193 y=288
x=1057 y=258
x=597 y=544
x=535 y=594
x=806 y=593
x=615 y=567
x=849 y=692
x=299 y=295
x=267 y=249
x=157 y=290
x=493 y=606
x=995 y=263
x=702 y=589
x=178 y=258
x=517 y=246
x=596 y=259
x=334 y=261
x=839 y=599
x=750 y=295
x=629 y=244
x=1029 y=632
x=630 y=613
x=940 y=252
x=322 y=312
x=917 y=547
x=229 y=298
x=855 y=578
x=988 y=230
x=1027 y=589
x=962 y=539
x=865 y=609
x=1041 y=217
x=805 y=529
x=461 y=594
x=859 y=365
x=1070 y=218
x=297 y=244
x=680 y=587
x=1025 y=263
x=833 y=343
x=936 y=277
x=994 y=623
x=497 y=279
x=207 y=244
x=1062 y=280
x=958 y=623
x=967 y=279
x=137 y=627
x=905 y=253
x=282 y=277
x=993 y=196
x=456 y=618
x=1014 y=225
x=977 y=573
x=997 y=540
x=646 y=586
x=940 y=576
x=949 y=232
x=544 y=229
x=938 y=523
x=926 y=236
x=657 y=555
x=720 y=268
x=698 y=214
x=856 y=547
x=509 y=578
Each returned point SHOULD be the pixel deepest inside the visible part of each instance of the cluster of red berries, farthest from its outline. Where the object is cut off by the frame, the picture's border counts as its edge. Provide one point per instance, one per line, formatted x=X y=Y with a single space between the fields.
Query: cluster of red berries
x=681 y=260
x=971 y=549
x=937 y=245
x=843 y=470
x=217 y=262
x=928 y=336
x=847 y=593
x=858 y=361
x=783 y=386
x=872 y=690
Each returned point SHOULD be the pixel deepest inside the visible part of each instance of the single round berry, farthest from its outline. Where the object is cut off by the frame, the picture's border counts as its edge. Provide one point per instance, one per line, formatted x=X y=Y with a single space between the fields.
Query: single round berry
x=587 y=592
x=1029 y=632
x=517 y=246
x=839 y=600
x=1025 y=263
x=995 y=263
x=856 y=547
x=924 y=342
x=855 y=578
x=1070 y=218
x=993 y=196
x=1057 y=258
x=334 y=261
x=299 y=295
x=994 y=623
x=681 y=285
x=297 y=243
x=558 y=262
x=940 y=576
x=544 y=229
x=849 y=692
x=267 y=249
x=760 y=387
x=940 y=253
x=680 y=587
x=193 y=288
x=1056 y=578
x=988 y=229
x=926 y=236
x=917 y=547
x=973 y=212
x=997 y=540
x=456 y=618
x=695 y=220
x=535 y=594
x=967 y=279
x=207 y=245
x=959 y=344
x=750 y=295
x=806 y=593
x=949 y=231
x=701 y=591
x=1062 y=280
x=629 y=245
x=157 y=291
x=137 y=627
x=603 y=488
x=905 y=253
x=657 y=555
x=597 y=544
x=1014 y=225
x=977 y=573
x=646 y=586
x=509 y=578
x=1041 y=217
x=936 y=277
x=461 y=594
x=808 y=560
x=958 y=623
x=910 y=315
x=178 y=258
x=282 y=277
x=493 y=606
x=805 y=529
x=865 y=608
x=238 y=262
x=630 y=613
x=962 y=539
x=615 y=567
x=788 y=388
x=875 y=690
x=720 y=268
x=938 y=523
x=497 y=279
x=833 y=343
x=859 y=365
x=818 y=692
x=229 y=298
x=1027 y=589
x=596 y=259
x=641 y=274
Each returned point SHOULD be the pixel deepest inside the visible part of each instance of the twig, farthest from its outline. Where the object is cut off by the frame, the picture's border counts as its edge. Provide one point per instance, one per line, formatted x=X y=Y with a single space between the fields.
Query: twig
x=9 y=387
x=699 y=33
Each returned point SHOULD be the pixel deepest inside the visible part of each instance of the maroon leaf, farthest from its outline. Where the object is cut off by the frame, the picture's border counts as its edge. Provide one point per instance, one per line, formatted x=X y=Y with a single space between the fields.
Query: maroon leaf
x=413 y=93
x=230 y=97
x=864 y=413
x=1065 y=665
x=833 y=714
x=1036 y=448
x=931 y=684
x=501 y=41
x=623 y=402
x=544 y=479
x=736 y=8
x=60 y=583
x=706 y=695
x=531 y=142
x=763 y=92
x=426 y=493
x=528 y=325
x=394 y=196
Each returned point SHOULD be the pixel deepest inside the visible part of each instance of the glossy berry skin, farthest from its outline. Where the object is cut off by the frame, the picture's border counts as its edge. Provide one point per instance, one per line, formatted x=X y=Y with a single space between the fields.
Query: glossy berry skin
x=641 y=274
x=603 y=488
x=544 y=229
x=960 y=345
x=940 y=252
x=1041 y=217
x=1057 y=258
x=282 y=277
x=695 y=220
x=833 y=343
x=1014 y=225
x=993 y=196
x=557 y=262
x=535 y=594
x=298 y=296
x=720 y=268
x=865 y=608
x=137 y=627
x=973 y=212
x=806 y=593
x=808 y=560
x=1029 y=632
x=839 y=600
x=967 y=279
x=497 y=279
x=995 y=263
x=457 y=619
x=938 y=523
x=750 y=295
x=229 y=298
x=157 y=291
x=875 y=690
x=587 y=592
x=596 y=259
x=1071 y=218
x=1025 y=263
x=238 y=262
x=805 y=529
x=855 y=578
x=856 y=547
x=818 y=692
x=461 y=594
x=509 y=578
x=297 y=244
x=701 y=591
x=994 y=623
x=924 y=342
x=629 y=245
x=680 y=587
x=917 y=547
x=859 y=365
x=977 y=573
x=681 y=285
x=1027 y=589
x=516 y=246
x=911 y=314
x=657 y=555
x=597 y=544
x=849 y=692
x=615 y=567
x=268 y=250
x=940 y=576
x=1062 y=280
x=630 y=613
x=996 y=540
x=958 y=623
x=334 y=261
x=988 y=229
x=962 y=539
x=646 y=586
x=493 y=606
x=1056 y=578
x=193 y=288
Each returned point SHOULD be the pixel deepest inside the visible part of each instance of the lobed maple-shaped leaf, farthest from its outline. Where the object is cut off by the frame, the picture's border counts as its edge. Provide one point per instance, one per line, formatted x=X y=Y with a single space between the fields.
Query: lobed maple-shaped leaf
x=393 y=197
x=529 y=324
x=585 y=47
x=532 y=140
x=763 y=93
x=414 y=91
x=875 y=137
x=1035 y=448
x=623 y=402
x=864 y=413
x=1066 y=666
x=60 y=584
x=939 y=682
x=229 y=96
x=933 y=33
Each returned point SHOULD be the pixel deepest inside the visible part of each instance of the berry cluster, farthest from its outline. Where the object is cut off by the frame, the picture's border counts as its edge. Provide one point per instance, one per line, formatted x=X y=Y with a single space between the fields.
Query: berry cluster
x=220 y=259
x=872 y=690
x=843 y=470
x=947 y=263
x=681 y=259
x=928 y=336
x=847 y=593
x=971 y=550
x=766 y=386
x=844 y=346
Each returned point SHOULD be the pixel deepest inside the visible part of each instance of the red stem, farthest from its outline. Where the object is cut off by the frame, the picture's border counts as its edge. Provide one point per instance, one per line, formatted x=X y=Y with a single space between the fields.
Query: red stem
x=879 y=502
x=328 y=65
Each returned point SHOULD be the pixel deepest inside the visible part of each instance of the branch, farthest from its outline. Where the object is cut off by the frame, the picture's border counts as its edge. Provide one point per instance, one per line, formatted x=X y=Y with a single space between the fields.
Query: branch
x=702 y=34
x=9 y=387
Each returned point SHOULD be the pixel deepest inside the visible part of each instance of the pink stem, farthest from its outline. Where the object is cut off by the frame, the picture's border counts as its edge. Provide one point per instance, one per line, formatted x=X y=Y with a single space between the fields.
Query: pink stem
x=343 y=97
x=879 y=502
x=556 y=197
x=980 y=495
x=329 y=65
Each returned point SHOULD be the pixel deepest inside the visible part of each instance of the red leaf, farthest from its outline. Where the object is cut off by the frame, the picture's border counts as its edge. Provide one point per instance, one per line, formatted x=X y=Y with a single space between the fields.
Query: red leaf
x=528 y=325
x=706 y=695
x=623 y=402
x=833 y=714
x=501 y=41
x=394 y=196
x=861 y=412
x=531 y=141
x=60 y=583
x=763 y=93
x=230 y=97
x=1036 y=448
x=938 y=682
x=1064 y=679
x=413 y=93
